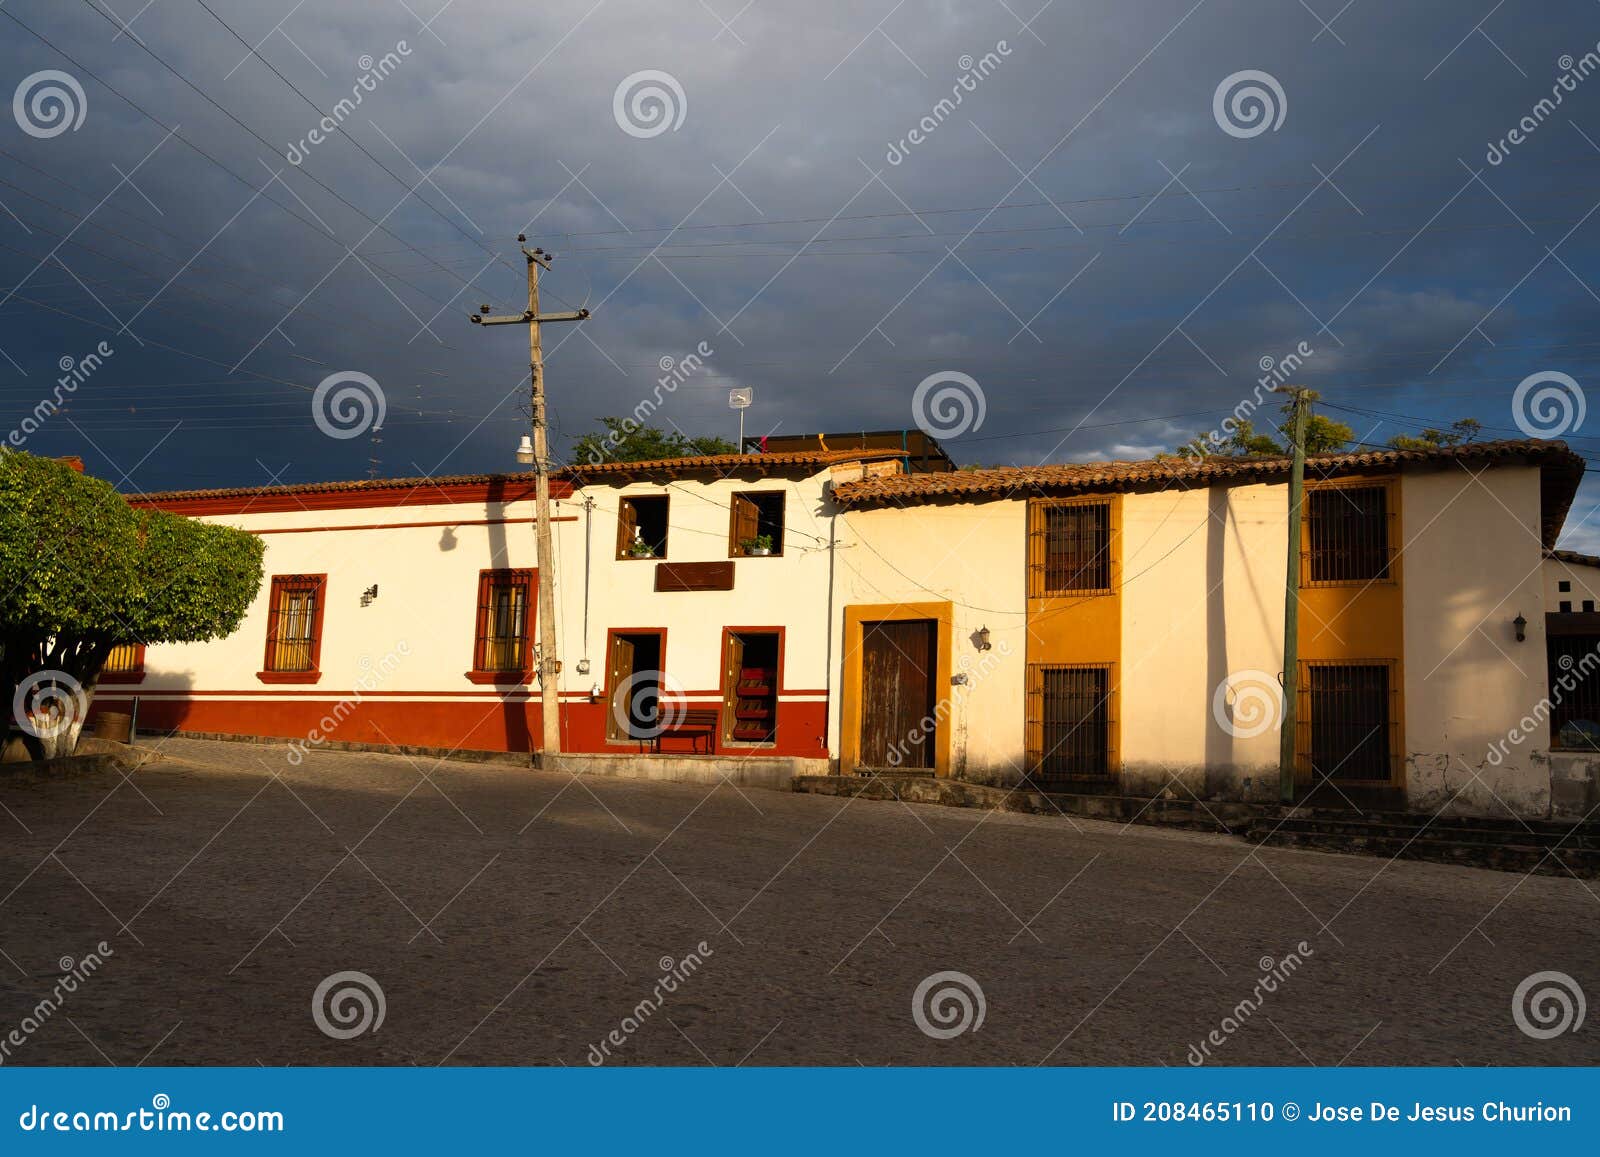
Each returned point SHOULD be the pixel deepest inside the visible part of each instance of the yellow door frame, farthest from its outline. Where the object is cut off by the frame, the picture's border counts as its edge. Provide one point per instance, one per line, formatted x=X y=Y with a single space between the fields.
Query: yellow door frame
x=943 y=614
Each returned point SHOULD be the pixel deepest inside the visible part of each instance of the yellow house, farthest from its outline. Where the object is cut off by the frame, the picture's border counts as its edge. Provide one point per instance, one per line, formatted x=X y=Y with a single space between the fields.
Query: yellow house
x=1118 y=626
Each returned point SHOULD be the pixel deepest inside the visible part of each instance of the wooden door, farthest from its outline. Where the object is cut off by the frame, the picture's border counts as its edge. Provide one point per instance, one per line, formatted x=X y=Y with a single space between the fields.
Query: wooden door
x=620 y=664
x=897 y=664
x=732 y=662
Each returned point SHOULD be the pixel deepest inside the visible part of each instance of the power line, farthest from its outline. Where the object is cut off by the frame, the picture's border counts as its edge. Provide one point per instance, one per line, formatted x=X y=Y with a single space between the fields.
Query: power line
x=411 y=190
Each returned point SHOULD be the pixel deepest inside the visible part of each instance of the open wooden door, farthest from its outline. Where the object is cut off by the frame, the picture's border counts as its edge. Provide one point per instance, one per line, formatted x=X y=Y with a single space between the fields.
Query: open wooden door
x=620 y=674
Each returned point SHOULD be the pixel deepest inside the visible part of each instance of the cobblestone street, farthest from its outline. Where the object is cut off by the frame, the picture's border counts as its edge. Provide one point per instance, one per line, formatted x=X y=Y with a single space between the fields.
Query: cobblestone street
x=514 y=917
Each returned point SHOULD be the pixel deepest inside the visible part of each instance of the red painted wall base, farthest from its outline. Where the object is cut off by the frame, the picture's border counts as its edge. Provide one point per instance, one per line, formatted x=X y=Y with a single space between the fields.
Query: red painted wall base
x=467 y=724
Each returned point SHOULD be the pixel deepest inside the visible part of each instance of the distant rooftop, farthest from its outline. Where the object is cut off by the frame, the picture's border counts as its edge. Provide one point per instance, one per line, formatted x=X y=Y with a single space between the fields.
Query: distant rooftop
x=922 y=453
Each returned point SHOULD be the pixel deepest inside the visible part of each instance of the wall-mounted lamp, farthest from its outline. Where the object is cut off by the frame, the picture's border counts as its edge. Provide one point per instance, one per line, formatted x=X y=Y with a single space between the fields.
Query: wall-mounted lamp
x=525 y=450
x=1521 y=624
x=369 y=594
x=981 y=639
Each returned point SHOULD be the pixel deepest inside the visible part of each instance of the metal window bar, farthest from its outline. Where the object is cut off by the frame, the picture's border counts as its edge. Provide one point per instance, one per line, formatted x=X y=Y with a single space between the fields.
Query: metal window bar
x=1071 y=548
x=123 y=659
x=1347 y=538
x=294 y=629
x=1069 y=720
x=1348 y=733
x=502 y=643
x=1574 y=691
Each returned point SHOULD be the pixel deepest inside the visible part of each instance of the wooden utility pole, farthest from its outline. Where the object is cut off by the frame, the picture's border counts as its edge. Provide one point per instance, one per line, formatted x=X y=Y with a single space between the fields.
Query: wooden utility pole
x=1299 y=413
x=549 y=667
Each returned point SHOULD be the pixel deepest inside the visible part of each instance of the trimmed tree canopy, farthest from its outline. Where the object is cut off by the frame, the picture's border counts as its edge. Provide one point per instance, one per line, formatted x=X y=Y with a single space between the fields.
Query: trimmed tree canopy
x=81 y=571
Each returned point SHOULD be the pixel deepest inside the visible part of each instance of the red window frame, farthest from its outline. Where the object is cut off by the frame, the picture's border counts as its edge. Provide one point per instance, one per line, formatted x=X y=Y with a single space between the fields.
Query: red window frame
x=282 y=585
x=528 y=580
x=133 y=674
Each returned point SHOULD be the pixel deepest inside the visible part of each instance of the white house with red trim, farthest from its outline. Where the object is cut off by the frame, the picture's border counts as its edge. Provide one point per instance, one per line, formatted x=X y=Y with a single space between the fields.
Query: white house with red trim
x=401 y=613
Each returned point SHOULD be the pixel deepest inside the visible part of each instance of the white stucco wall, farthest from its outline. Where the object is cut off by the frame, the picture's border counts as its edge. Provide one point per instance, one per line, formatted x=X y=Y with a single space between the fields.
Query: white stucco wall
x=427 y=578
x=789 y=591
x=1472 y=564
x=1203 y=596
x=1584 y=583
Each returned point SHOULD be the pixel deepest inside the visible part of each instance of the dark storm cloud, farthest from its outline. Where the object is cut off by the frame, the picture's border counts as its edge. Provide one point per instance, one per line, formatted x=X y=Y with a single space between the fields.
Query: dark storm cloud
x=1419 y=273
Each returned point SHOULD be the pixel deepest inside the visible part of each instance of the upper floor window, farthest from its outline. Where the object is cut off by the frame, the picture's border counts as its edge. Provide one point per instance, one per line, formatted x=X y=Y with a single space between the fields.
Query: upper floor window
x=756 y=524
x=504 y=620
x=294 y=625
x=1069 y=546
x=642 y=526
x=1347 y=534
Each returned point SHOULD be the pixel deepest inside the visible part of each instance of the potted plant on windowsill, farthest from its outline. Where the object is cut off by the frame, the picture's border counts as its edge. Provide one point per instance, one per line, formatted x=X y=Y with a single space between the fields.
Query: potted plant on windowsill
x=758 y=547
x=639 y=548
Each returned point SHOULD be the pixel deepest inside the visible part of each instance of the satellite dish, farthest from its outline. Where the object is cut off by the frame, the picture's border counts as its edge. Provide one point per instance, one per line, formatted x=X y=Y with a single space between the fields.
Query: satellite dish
x=740 y=398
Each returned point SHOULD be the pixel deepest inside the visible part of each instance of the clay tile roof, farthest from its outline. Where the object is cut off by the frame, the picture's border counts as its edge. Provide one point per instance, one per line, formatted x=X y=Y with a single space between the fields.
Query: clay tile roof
x=717 y=463
x=1562 y=472
x=726 y=463
x=355 y=486
x=1573 y=558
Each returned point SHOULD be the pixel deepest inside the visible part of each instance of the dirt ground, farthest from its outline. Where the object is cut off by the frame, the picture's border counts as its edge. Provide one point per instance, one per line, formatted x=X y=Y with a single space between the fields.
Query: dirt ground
x=513 y=917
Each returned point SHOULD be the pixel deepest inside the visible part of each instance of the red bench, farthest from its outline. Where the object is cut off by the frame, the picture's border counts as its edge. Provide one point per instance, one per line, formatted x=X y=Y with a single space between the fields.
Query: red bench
x=692 y=722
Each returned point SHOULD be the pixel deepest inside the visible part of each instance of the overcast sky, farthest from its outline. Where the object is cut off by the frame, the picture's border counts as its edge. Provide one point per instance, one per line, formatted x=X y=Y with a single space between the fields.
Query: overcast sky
x=1095 y=233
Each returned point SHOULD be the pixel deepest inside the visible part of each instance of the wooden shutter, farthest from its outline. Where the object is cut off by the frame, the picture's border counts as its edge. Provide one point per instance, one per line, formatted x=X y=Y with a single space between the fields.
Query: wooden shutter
x=744 y=524
x=627 y=523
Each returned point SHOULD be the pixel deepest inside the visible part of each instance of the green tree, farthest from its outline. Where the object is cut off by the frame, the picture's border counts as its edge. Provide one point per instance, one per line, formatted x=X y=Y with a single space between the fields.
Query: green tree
x=82 y=571
x=626 y=440
x=1461 y=430
x=1324 y=435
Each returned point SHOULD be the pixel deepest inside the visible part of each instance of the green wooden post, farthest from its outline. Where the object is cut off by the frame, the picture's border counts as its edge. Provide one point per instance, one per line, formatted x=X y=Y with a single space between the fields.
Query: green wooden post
x=1299 y=407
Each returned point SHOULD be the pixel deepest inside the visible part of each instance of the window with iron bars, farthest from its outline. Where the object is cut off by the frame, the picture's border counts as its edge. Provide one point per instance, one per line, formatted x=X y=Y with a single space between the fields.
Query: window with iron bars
x=1070 y=720
x=503 y=622
x=124 y=663
x=1069 y=546
x=1347 y=721
x=294 y=623
x=1574 y=688
x=1347 y=534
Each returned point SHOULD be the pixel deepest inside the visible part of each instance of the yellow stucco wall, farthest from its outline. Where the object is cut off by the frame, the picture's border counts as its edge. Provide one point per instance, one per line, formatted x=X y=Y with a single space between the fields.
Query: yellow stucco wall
x=969 y=554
